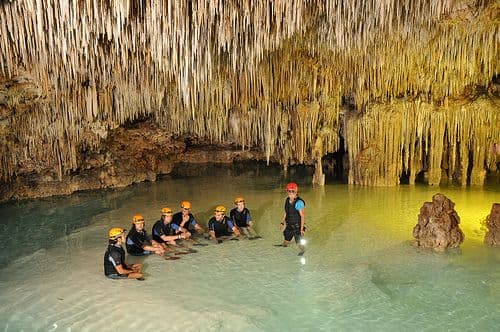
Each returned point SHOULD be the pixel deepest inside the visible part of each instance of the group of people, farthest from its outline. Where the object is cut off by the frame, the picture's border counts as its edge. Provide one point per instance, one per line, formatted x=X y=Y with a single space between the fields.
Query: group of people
x=171 y=228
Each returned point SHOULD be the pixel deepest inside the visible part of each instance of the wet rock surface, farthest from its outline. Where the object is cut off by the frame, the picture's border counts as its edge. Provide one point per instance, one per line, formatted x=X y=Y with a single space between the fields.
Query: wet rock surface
x=438 y=225
x=130 y=155
x=492 y=237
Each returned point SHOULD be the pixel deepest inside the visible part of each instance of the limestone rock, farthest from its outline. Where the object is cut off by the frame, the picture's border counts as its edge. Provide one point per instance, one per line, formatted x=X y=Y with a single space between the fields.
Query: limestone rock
x=438 y=225
x=493 y=223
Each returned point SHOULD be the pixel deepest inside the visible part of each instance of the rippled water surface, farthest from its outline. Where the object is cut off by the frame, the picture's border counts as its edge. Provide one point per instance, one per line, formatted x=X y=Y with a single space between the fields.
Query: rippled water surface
x=359 y=271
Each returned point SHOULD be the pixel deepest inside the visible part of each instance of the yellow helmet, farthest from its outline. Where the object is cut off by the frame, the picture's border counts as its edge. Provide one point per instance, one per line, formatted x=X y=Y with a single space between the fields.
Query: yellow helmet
x=220 y=209
x=239 y=200
x=115 y=233
x=167 y=211
x=137 y=219
x=186 y=205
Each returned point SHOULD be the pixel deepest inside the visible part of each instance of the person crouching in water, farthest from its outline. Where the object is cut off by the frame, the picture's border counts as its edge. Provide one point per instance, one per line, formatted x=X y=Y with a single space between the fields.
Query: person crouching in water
x=139 y=242
x=114 y=258
x=241 y=217
x=293 y=217
x=185 y=220
x=221 y=226
x=164 y=230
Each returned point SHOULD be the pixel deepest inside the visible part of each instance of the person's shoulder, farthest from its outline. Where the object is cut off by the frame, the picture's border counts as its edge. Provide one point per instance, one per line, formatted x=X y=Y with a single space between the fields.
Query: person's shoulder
x=246 y=210
x=300 y=204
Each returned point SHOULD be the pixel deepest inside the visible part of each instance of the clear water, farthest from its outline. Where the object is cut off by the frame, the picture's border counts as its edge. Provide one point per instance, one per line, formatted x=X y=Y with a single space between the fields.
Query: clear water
x=359 y=271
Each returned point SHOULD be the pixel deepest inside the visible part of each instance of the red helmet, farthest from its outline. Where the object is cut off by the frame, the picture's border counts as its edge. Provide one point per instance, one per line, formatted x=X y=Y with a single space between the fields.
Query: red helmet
x=292 y=186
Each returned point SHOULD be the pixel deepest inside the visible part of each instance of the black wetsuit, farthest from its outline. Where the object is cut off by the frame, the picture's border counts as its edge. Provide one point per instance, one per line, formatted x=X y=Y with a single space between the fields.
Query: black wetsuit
x=242 y=218
x=160 y=229
x=115 y=255
x=292 y=219
x=136 y=241
x=221 y=228
x=177 y=219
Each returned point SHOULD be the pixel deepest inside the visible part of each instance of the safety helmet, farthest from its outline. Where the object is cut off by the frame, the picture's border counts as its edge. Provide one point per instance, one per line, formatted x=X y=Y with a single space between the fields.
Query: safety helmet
x=115 y=233
x=167 y=211
x=186 y=205
x=239 y=200
x=292 y=186
x=138 y=219
x=220 y=209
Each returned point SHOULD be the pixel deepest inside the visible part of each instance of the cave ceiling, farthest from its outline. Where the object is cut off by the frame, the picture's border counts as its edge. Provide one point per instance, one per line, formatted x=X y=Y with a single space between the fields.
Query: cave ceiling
x=253 y=71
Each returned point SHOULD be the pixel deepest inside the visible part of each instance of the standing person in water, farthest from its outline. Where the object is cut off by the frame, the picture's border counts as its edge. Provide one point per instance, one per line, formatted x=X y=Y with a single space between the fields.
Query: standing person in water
x=139 y=242
x=185 y=221
x=293 y=218
x=221 y=226
x=165 y=231
x=114 y=258
x=241 y=218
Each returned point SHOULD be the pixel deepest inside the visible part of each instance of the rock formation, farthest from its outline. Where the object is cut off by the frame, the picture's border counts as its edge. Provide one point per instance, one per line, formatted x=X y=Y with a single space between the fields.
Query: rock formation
x=438 y=225
x=492 y=237
x=407 y=86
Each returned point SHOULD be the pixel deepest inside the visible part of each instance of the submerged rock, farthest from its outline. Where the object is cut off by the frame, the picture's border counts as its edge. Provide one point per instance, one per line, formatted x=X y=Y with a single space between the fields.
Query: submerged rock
x=437 y=226
x=493 y=223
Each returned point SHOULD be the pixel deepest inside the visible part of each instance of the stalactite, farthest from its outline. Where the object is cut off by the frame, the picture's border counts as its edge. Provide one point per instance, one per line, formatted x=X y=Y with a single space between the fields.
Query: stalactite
x=281 y=68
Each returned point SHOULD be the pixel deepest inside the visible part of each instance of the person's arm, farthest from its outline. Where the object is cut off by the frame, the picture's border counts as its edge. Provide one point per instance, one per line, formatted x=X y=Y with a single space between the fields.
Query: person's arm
x=301 y=212
x=212 y=235
x=122 y=270
x=172 y=238
x=233 y=227
x=282 y=224
x=299 y=206
x=249 y=219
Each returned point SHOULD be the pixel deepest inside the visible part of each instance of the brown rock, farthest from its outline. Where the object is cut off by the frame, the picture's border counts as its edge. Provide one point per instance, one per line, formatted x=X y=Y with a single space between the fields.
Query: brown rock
x=493 y=223
x=437 y=226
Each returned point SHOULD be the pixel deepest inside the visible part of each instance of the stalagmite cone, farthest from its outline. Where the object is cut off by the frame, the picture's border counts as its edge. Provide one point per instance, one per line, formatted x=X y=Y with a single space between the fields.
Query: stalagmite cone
x=492 y=236
x=438 y=225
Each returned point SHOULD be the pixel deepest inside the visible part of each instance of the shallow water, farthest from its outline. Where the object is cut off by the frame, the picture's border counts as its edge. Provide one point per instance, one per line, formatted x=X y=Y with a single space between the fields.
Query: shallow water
x=359 y=271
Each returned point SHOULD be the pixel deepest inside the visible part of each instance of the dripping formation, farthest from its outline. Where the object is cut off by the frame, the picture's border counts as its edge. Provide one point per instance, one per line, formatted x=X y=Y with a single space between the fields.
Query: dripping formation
x=274 y=76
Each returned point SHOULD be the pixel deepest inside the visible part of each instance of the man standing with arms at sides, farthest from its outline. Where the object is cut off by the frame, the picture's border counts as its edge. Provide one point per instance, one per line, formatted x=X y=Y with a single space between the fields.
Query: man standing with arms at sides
x=293 y=220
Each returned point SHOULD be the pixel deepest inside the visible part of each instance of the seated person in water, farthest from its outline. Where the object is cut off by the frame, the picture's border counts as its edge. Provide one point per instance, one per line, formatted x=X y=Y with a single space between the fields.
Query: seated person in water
x=240 y=216
x=293 y=217
x=114 y=258
x=184 y=219
x=165 y=231
x=221 y=226
x=139 y=242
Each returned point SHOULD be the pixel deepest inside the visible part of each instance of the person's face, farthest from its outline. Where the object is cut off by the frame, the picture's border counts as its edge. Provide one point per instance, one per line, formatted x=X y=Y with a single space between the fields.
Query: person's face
x=292 y=194
x=185 y=212
x=139 y=226
x=219 y=216
x=121 y=238
x=240 y=205
x=167 y=218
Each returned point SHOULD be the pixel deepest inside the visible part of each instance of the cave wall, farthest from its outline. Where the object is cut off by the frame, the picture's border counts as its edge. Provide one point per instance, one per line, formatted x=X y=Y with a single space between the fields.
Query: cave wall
x=409 y=86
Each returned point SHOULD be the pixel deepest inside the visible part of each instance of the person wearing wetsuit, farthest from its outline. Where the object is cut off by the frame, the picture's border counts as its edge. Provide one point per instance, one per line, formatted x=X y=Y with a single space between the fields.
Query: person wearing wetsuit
x=114 y=258
x=221 y=226
x=185 y=220
x=165 y=231
x=240 y=216
x=139 y=242
x=293 y=217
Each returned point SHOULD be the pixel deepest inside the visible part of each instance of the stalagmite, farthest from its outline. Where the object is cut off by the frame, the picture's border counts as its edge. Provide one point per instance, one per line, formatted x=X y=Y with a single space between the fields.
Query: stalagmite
x=438 y=225
x=492 y=236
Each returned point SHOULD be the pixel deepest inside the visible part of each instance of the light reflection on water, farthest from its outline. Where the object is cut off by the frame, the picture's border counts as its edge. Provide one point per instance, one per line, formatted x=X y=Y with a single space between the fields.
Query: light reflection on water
x=359 y=271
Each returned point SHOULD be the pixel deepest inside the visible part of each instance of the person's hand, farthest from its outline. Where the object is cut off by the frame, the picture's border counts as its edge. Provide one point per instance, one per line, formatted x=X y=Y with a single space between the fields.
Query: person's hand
x=186 y=235
x=282 y=226
x=302 y=232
